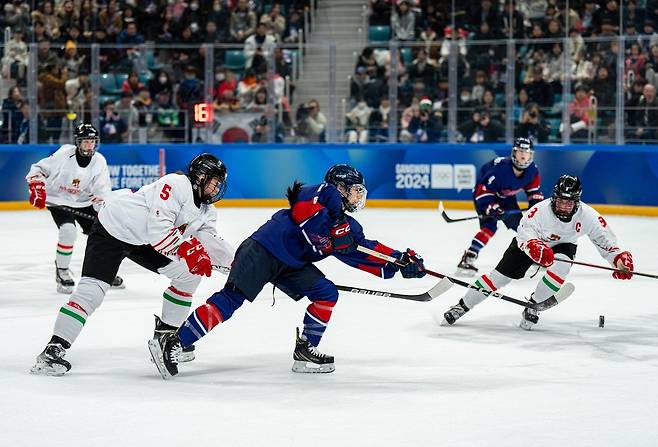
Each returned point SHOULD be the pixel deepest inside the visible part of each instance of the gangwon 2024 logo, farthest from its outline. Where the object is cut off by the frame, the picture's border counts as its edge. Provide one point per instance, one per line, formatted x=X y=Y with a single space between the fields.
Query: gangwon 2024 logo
x=434 y=176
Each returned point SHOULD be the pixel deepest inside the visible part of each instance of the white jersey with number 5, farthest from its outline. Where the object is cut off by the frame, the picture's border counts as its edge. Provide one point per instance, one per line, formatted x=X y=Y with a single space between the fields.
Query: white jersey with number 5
x=163 y=214
x=539 y=222
x=69 y=184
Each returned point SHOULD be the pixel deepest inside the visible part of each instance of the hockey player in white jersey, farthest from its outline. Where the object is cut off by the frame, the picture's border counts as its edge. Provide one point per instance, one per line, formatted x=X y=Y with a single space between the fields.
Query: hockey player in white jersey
x=168 y=227
x=548 y=232
x=75 y=177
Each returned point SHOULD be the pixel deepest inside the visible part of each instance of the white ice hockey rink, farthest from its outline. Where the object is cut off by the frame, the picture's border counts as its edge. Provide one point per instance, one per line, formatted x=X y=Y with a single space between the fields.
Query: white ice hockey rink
x=400 y=380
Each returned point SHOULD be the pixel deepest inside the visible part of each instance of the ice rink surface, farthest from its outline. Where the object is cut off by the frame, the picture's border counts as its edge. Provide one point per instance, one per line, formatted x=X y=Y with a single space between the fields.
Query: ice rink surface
x=400 y=380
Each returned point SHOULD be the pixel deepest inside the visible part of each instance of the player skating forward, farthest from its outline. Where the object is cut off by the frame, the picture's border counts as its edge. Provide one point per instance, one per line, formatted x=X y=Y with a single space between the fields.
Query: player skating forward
x=75 y=176
x=549 y=231
x=495 y=197
x=168 y=227
x=282 y=252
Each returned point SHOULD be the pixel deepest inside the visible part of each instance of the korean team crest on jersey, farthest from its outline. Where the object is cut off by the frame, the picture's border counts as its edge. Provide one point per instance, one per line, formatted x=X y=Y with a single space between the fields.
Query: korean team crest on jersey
x=76 y=183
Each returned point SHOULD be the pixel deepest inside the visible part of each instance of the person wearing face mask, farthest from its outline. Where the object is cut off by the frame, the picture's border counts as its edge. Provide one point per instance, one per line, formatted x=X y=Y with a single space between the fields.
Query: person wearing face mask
x=159 y=83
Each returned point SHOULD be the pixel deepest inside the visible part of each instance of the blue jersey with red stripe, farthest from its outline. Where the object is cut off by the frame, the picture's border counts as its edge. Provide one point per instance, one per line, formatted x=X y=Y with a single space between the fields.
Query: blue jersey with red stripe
x=497 y=183
x=301 y=233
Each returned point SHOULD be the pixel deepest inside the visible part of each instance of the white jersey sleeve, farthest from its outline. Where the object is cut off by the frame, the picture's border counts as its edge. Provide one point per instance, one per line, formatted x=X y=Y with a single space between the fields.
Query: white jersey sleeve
x=68 y=183
x=600 y=234
x=539 y=222
x=171 y=209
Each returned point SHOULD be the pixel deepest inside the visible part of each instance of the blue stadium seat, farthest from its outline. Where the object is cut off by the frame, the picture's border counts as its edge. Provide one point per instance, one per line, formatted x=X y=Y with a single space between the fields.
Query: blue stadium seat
x=151 y=62
x=104 y=98
x=120 y=77
x=109 y=84
x=407 y=55
x=234 y=60
x=379 y=33
x=145 y=77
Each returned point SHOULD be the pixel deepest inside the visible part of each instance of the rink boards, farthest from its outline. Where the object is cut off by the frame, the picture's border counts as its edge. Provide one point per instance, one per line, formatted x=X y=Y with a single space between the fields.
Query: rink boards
x=620 y=179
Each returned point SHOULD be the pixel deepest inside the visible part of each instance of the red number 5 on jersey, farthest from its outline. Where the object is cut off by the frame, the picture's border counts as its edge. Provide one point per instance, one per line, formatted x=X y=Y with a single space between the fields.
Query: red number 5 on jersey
x=164 y=195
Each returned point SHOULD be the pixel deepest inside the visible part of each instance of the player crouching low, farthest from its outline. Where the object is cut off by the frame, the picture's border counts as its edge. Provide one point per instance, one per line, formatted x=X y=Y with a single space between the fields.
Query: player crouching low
x=167 y=227
x=283 y=252
x=548 y=232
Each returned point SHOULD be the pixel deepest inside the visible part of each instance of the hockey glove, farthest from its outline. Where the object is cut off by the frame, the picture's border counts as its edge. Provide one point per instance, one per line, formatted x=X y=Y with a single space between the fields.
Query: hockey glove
x=412 y=265
x=623 y=261
x=38 y=194
x=534 y=199
x=196 y=257
x=341 y=237
x=495 y=210
x=540 y=253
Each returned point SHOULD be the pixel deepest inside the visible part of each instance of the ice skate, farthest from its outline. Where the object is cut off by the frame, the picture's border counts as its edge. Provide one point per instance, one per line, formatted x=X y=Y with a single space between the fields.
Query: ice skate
x=165 y=352
x=161 y=328
x=307 y=358
x=466 y=266
x=454 y=313
x=118 y=283
x=529 y=317
x=51 y=361
x=64 y=280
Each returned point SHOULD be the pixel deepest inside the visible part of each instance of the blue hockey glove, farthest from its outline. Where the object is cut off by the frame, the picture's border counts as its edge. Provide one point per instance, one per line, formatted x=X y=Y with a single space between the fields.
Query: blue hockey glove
x=495 y=210
x=341 y=237
x=412 y=265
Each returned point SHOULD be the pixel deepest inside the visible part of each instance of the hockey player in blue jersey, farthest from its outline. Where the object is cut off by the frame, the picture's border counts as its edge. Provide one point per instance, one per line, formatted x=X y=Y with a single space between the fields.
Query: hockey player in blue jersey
x=282 y=252
x=494 y=195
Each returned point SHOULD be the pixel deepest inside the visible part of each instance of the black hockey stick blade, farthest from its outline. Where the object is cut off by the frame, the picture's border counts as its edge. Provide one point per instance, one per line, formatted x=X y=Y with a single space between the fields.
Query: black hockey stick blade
x=439 y=288
x=449 y=219
x=561 y=295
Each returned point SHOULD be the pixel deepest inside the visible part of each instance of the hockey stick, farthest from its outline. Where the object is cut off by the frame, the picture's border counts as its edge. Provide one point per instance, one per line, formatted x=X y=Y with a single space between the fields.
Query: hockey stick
x=441 y=287
x=462 y=219
x=73 y=211
x=603 y=267
x=561 y=295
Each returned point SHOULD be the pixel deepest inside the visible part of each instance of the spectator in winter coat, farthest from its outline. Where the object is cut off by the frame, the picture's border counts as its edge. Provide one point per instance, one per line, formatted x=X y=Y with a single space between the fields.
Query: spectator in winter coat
x=243 y=22
x=403 y=22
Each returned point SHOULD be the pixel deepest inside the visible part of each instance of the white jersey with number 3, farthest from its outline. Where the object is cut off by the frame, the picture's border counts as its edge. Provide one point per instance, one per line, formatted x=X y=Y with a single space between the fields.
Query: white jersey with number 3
x=539 y=222
x=163 y=214
x=69 y=184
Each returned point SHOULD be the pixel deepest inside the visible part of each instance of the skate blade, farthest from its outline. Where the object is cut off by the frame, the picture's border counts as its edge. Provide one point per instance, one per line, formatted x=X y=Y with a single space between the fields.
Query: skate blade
x=445 y=323
x=65 y=289
x=526 y=325
x=119 y=287
x=43 y=369
x=299 y=366
x=156 y=356
x=465 y=273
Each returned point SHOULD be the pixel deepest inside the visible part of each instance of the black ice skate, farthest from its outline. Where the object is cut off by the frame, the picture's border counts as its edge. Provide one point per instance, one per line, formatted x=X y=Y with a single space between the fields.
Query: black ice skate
x=165 y=352
x=161 y=328
x=466 y=266
x=529 y=317
x=64 y=280
x=307 y=358
x=454 y=313
x=118 y=283
x=51 y=361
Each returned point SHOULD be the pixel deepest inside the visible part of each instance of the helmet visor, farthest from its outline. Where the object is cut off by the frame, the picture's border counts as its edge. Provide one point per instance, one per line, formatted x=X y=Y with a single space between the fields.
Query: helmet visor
x=356 y=197
x=522 y=157
x=87 y=146
x=213 y=190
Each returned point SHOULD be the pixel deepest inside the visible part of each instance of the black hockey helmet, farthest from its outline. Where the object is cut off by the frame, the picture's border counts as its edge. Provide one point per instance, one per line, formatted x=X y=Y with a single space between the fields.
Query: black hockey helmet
x=570 y=188
x=83 y=132
x=351 y=182
x=522 y=144
x=201 y=170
